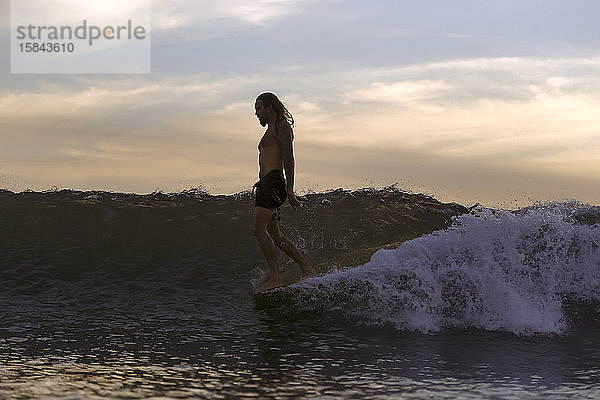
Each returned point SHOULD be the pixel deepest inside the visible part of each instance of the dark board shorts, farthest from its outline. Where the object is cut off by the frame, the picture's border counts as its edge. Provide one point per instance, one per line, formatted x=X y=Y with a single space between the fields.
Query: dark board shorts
x=271 y=192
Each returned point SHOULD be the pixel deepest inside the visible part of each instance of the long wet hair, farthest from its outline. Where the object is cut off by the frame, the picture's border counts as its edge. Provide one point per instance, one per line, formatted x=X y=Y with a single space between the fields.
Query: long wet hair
x=269 y=99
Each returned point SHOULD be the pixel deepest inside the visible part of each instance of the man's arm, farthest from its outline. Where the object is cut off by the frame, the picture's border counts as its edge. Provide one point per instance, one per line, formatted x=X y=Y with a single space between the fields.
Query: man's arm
x=287 y=153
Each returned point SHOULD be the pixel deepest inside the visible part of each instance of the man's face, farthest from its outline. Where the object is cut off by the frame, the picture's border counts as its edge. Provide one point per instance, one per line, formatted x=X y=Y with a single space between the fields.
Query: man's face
x=260 y=113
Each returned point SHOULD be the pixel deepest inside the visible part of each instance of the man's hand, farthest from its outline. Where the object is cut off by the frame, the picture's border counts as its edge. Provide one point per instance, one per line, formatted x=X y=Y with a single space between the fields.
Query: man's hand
x=292 y=199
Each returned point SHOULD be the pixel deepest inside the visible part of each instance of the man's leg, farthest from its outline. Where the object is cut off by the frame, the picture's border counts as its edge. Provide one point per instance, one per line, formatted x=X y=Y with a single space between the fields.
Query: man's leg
x=288 y=247
x=262 y=217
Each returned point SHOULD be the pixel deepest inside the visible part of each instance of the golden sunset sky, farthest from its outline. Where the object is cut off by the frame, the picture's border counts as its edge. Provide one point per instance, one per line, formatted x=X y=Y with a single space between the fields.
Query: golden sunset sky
x=496 y=102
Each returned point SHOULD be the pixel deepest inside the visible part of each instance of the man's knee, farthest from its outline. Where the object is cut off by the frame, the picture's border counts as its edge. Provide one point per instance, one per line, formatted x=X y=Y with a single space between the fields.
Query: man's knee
x=276 y=236
x=278 y=240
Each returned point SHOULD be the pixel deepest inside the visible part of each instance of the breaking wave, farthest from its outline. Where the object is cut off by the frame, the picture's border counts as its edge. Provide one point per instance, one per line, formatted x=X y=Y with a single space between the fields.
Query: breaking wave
x=491 y=269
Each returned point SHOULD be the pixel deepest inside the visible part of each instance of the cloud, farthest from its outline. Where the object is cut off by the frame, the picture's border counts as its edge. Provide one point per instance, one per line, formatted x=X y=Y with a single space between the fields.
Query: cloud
x=208 y=17
x=218 y=15
x=69 y=11
x=404 y=92
x=505 y=78
x=86 y=96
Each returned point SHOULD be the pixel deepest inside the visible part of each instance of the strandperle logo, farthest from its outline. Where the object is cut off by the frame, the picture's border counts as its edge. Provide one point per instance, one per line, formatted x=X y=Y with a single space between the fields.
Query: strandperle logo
x=90 y=33
x=85 y=37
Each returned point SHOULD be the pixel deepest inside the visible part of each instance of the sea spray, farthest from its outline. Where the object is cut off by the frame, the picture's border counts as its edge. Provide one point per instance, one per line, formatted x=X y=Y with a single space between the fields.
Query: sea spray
x=492 y=270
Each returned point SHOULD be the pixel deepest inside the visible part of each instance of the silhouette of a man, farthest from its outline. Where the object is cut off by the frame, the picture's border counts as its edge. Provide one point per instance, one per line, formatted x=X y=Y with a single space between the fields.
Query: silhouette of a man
x=275 y=154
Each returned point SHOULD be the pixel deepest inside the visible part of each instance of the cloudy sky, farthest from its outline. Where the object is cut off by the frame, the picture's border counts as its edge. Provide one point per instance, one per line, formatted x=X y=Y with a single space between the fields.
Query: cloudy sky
x=496 y=102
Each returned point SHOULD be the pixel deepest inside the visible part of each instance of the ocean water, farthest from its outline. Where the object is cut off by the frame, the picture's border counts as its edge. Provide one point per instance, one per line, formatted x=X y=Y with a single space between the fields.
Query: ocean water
x=113 y=295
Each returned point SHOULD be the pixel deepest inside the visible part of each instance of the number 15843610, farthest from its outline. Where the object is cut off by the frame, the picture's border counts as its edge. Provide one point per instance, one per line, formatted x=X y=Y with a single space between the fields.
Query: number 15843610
x=46 y=47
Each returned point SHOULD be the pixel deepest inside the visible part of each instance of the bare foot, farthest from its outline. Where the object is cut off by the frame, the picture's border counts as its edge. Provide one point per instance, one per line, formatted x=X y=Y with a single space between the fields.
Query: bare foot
x=270 y=284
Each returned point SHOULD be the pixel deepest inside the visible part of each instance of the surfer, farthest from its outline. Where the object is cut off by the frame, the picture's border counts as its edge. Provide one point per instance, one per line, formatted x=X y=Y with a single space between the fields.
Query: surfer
x=275 y=153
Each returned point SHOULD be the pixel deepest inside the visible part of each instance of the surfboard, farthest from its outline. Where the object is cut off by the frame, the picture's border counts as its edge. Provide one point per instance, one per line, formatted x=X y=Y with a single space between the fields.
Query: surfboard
x=282 y=288
x=272 y=299
x=271 y=291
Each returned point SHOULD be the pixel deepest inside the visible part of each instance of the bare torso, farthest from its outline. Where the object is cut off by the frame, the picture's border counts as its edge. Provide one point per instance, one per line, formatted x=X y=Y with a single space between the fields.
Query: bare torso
x=269 y=153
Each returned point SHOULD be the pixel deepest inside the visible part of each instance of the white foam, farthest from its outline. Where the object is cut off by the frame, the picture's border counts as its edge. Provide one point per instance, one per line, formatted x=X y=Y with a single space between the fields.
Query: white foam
x=493 y=270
